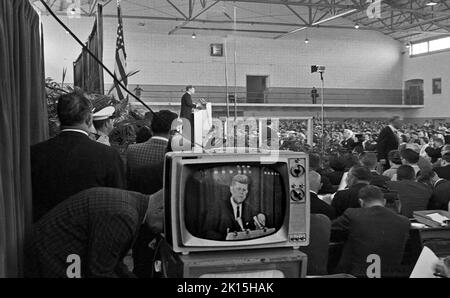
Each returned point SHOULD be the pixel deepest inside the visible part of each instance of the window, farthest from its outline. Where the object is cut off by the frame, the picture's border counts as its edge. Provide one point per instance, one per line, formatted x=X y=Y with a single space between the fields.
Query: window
x=440 y=44
x=430 y=46
x=437 y=86
x=419 y=48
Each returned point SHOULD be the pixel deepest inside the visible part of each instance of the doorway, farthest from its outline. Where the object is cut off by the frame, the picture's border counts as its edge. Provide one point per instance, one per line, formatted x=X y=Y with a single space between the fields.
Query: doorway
x=256 y=89
x=414 y=92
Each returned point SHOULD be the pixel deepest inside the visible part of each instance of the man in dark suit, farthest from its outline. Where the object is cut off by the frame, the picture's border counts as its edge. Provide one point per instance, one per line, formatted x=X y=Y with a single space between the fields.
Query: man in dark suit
x=357 y=178
x=444 y=170
x=413 y=195
x=147 y=180
x=314 y=165
x=348 y=143
x=370 y=230
x=388 y=140
x=369 y=160
x=234 y=214
x=187 y=107
x=314 y=95
x=369 y=144
x=153 y=151
x=71 y=161
x=317 y=205
x=337 y=164
x=441 y=193
x=89 y=234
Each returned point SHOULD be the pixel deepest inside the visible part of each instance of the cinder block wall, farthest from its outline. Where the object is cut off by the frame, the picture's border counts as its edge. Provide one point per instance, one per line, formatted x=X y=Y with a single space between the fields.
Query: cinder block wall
x=361 y=66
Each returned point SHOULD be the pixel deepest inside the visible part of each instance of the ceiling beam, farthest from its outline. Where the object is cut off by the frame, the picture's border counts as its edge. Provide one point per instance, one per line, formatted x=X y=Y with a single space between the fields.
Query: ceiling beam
x=51 y=5
x=269 y=31
x=106 y=3
x=93 y=6
x=431 y=32
x=420 y=23
x=318 y=23
x=297 y=3
x=177 y=9
x=393 y=29
x=297 y=15
x=234 y=30
x=191 y=19
x=156 y=18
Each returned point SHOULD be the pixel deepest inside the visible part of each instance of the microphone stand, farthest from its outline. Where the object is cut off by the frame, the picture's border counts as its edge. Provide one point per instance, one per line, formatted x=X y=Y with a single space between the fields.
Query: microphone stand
x=322 y=114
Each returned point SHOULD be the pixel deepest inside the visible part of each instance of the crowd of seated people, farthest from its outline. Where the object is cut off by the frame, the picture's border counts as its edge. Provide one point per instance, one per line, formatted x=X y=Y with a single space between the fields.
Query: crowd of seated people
x=115 y=207
x=413 y=178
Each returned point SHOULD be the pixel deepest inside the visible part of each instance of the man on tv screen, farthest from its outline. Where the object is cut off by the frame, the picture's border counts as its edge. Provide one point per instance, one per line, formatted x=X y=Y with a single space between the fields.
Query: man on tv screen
x=234 y=214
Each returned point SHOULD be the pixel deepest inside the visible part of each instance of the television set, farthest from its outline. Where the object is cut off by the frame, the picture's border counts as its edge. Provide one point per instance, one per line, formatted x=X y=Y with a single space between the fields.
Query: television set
x=228 y=201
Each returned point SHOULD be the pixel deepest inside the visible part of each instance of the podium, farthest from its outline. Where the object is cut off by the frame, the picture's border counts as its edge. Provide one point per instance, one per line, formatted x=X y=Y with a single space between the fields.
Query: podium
x=202 y=125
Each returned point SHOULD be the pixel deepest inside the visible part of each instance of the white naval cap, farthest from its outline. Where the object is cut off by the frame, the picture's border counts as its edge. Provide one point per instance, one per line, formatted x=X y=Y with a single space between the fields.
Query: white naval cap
x=104 y=113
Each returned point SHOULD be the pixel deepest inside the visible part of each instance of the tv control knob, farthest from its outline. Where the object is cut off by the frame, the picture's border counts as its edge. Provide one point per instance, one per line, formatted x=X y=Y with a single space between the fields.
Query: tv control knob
x=297 y=195
x=297 y=170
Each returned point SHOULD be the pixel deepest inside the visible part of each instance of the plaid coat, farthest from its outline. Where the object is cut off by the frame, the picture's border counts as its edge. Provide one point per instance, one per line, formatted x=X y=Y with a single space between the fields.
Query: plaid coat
x=99 y=225
x=144 y=154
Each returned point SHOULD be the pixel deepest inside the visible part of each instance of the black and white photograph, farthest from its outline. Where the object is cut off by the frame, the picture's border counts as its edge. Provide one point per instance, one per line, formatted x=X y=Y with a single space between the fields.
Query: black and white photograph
x=223 y=147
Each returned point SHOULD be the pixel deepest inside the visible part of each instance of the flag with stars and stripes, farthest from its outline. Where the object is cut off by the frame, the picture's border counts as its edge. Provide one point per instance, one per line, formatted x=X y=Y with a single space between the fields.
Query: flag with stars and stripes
x=120 y=66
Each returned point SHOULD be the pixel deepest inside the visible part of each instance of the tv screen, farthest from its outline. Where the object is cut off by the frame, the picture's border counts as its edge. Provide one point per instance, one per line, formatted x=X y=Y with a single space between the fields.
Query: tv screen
x=234 y=202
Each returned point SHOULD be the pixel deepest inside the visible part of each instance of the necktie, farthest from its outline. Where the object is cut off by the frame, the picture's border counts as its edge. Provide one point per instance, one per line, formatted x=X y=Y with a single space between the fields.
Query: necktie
x=238 y=213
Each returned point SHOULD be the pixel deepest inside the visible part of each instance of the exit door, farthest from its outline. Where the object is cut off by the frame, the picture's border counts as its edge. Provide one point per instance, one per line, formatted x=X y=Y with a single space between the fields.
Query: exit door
x=256 y=89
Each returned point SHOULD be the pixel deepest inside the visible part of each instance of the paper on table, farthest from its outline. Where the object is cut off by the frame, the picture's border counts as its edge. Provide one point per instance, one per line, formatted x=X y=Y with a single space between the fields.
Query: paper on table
x=424 y=265
x=438 y=217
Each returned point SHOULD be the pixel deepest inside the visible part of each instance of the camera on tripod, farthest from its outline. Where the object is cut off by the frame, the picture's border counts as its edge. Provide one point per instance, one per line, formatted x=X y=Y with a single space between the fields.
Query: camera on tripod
x=317 y=68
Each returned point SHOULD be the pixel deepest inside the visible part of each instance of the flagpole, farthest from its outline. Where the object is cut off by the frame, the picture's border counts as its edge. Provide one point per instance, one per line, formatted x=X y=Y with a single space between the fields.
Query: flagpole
x=83 y=46
x=120 y=66
x=235 y=41
x=226 y=80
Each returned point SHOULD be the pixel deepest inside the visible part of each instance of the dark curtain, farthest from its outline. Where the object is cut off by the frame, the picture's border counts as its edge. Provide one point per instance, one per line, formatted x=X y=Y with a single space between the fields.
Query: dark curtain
x=205 y=187
x=88 y=74
x=23 y=122
x=78 y=72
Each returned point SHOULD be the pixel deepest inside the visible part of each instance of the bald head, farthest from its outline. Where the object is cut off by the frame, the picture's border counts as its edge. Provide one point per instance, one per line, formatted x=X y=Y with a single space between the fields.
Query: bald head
x=315 y=181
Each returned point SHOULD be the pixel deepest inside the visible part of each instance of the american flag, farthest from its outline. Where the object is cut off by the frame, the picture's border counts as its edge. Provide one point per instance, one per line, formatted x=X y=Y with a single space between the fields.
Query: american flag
x=120 y=66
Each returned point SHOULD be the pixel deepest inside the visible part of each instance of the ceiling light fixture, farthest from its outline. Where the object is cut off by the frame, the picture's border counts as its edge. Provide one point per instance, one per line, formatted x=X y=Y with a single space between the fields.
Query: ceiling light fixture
x=194 y=36
x=432 y=3
x=356 y=26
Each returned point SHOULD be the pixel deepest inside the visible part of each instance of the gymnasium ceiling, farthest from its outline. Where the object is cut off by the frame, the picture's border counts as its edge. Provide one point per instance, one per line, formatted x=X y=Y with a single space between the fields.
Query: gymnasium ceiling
x=403 y=20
